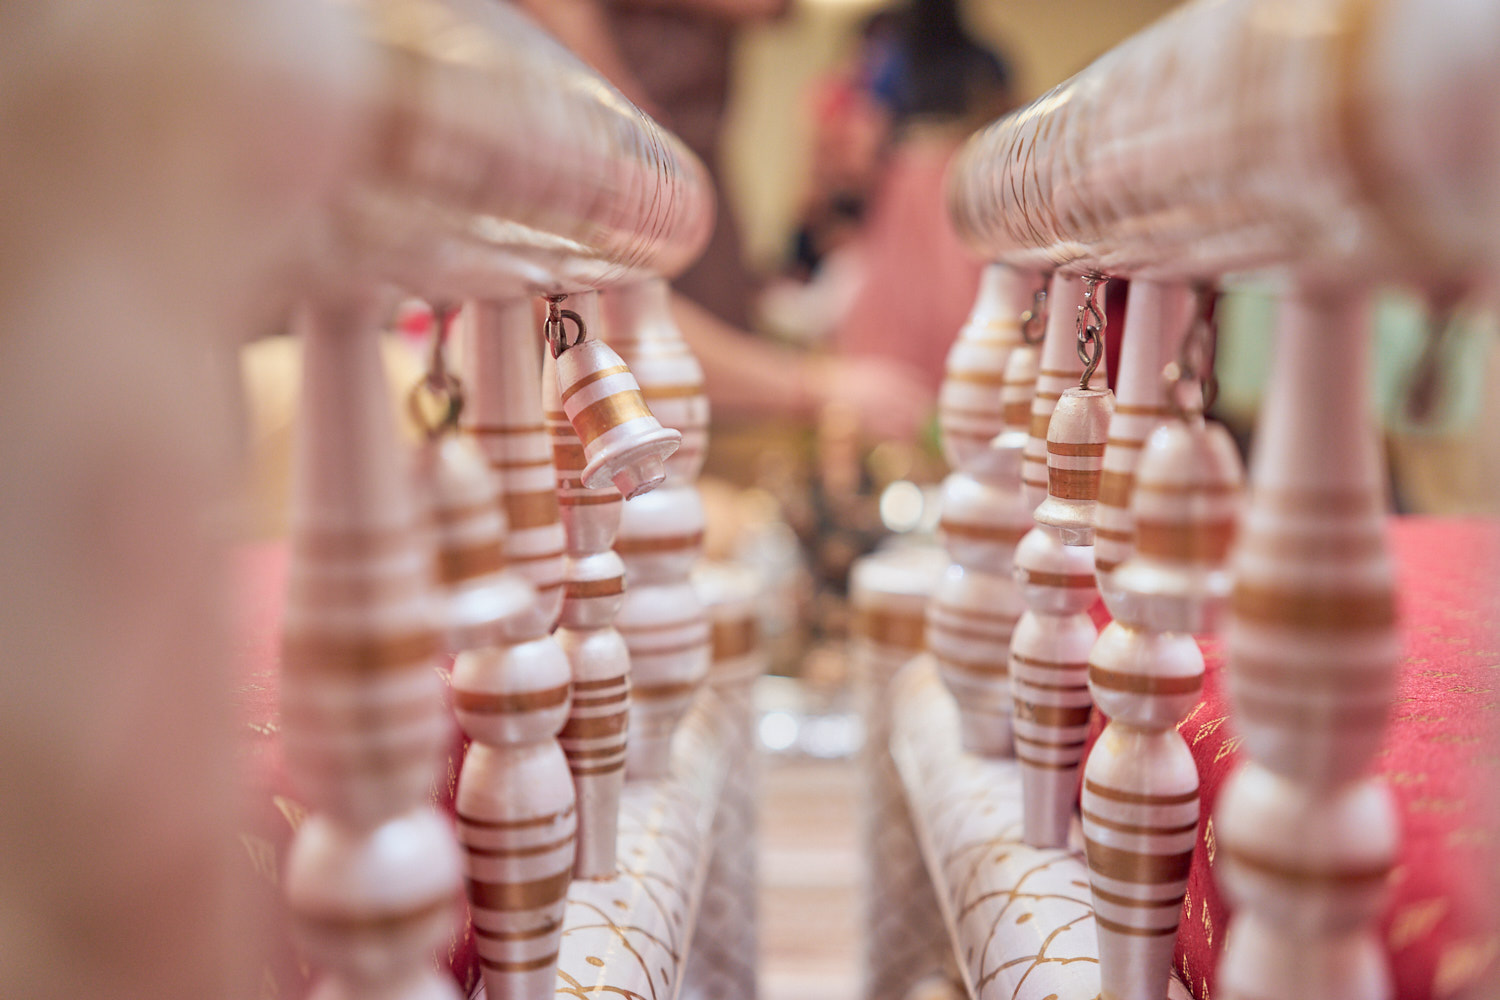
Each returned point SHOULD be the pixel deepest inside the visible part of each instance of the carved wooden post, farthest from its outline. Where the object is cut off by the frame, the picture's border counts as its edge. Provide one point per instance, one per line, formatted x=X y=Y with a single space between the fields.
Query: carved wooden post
x=1306 y=839
x=373 y=872
x=723 y=962
x=661 y=533
x=1140 y=793
x=1054 y=565
x=595 y=737
x=515 y=801
x=975 y=607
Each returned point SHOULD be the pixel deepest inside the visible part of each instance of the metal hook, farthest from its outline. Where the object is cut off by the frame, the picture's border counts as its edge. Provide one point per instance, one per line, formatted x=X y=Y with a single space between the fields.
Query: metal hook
x=1090 y=330
x=439 y=384
x=554 y=330
x=1034 y=320
x=1194 y=367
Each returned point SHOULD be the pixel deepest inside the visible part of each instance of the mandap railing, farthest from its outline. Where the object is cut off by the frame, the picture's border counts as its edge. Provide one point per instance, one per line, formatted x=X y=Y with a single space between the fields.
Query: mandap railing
x=542 y=537
x=1338 y=147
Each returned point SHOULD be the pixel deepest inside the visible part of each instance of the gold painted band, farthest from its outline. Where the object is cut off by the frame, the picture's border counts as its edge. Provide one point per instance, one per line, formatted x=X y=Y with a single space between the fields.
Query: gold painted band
x=1016 y=414
x=732 y=639
x=358 y=654
x=590 y=498
x=505 y=896
x=604 y=415
x=458 y=565
x=516 y=824
x=888 y=628
x=638 y=651
x=457 y=514
x=524 y=463
x=980 y=668
x=530 y=933
x=981 y=532
x=1076 y=449
x=1320 y=546
x=1070 y=374
x=602 y=683
x=525 y=965
x=590 y=727
x=1111 y=535
x=1039 y=422
x=1203 y=542
x=600 y=700
x=1034 y=661
x=662 y=692
x=1142 y=410
x=595 y=753
x=1115 y=899
x=1116 y=488
x=1301 y=716
x=1336 y=502
x=1032 y=741
x=1313 y=610
x=569 y=454
x=682 y=391
x=950 y=629
x=491 y=703
x=1036 y=578
x=1115 y=680
x=1139 y=798
x=528 y=851
x=1194 y=489
x=1048 y=765
x=1052 y=715
x=535 y=509
x=1118 y=928
x=1135 y=866
x=986 y=379
x=658 y=543
x=1144 y=830
x=599 y=769
x=584 y=589
x=591 y=378
x=1073 y=484
x=1127 y=444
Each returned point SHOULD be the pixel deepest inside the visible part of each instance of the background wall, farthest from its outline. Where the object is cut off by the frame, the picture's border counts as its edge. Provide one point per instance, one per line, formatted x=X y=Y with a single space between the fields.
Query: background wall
x=767 y=141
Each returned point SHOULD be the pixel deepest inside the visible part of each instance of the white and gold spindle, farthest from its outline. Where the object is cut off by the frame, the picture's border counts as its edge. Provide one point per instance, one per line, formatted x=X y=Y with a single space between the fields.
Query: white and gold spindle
x=504 y=415
x=723 y=962
x=1059 y=368
x=594 y=738
x=515 y=800
x=661 y=533
x=1157 y=317
x=1140 y=790
x=974 y=609
x=905 y=939
x=373 y=873
x=1054 y=565
x=1306 y=838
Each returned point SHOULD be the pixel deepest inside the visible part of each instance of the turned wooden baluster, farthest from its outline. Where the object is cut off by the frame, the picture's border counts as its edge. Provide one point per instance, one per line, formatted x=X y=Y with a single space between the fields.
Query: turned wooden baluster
x=1054 y=565
x=504 y=415
x=723 y=962
x=974 y=609
x=1157 y=317
x=661 y=533
x=1306 y=839
x=515 y=801
x=373 y=873
x=1140 y=792
x=594 y=739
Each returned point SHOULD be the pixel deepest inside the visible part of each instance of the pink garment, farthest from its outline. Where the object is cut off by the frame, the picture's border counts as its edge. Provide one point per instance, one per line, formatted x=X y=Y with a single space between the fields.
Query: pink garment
x=920 y=281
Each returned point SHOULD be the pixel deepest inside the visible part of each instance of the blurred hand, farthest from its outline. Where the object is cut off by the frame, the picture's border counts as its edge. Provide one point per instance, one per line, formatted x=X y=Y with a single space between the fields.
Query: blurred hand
x=888 y=400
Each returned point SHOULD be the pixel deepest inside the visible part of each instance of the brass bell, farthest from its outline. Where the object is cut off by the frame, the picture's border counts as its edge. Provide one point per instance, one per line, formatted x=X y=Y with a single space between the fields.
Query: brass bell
x=1076 y=436
x=622 y=441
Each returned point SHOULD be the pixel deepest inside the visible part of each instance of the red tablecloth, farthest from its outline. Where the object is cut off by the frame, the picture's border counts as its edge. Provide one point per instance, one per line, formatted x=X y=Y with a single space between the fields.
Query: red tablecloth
x=1439 y=751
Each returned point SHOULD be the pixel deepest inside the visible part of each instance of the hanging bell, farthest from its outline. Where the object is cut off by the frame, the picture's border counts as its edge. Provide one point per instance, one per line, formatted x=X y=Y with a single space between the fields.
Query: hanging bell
x=479 y=594
x=623 y=442
x=1076 y=436
x=1186 y=507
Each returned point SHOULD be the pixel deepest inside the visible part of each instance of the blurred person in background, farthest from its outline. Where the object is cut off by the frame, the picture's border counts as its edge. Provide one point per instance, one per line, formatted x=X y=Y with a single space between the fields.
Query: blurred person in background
x=672 y=58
